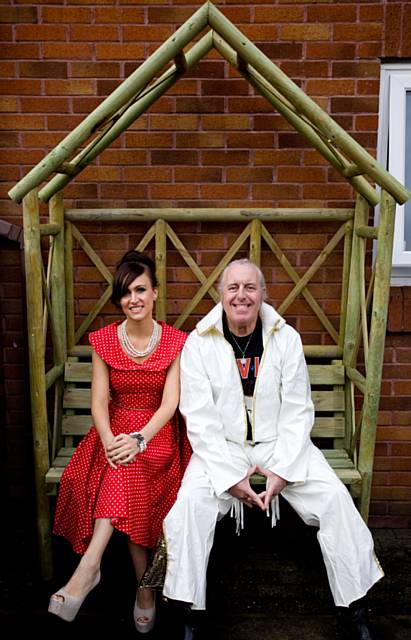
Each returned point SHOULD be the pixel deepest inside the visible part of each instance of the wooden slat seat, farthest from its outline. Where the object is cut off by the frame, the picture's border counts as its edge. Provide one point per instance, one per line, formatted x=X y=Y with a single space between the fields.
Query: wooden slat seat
x=330 y=431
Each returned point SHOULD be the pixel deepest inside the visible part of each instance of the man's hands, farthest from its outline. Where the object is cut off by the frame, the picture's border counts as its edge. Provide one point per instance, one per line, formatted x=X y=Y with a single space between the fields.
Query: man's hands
x=243 y=491
x=121 y=450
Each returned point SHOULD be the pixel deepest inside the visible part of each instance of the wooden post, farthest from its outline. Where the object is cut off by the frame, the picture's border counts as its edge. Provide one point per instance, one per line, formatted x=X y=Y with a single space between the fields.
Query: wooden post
x=58 y=308
x=161 y=265
x=255 y=242
x=69 y=286
x=58 y=290
x=376 y=347
x=33 y=266
x=345 y=280
x=354 y=290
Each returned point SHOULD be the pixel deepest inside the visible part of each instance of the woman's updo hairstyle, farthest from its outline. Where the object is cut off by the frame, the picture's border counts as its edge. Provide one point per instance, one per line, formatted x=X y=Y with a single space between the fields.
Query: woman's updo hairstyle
x=132 y=265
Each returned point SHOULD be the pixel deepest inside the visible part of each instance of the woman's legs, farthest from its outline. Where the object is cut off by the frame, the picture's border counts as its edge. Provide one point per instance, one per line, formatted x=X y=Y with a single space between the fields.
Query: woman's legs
x=89 y=565
x=139 y=556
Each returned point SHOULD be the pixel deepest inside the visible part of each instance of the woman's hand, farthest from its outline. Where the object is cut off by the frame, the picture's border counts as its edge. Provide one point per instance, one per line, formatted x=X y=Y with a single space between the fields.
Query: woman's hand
x=122 y=450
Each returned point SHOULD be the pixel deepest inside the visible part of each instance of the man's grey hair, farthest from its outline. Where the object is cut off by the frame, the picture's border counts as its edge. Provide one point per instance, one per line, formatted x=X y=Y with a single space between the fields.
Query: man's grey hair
x=243 y=261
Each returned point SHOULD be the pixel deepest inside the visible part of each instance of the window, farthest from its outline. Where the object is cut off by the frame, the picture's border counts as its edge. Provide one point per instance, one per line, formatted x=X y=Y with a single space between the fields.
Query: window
x=394 y=153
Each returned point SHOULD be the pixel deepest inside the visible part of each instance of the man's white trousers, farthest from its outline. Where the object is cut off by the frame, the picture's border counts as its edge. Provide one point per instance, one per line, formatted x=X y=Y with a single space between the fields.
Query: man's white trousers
x=321 y=501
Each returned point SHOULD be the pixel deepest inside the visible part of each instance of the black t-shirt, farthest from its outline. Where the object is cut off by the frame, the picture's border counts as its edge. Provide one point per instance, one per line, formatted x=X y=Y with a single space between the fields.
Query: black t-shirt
x=248 y=351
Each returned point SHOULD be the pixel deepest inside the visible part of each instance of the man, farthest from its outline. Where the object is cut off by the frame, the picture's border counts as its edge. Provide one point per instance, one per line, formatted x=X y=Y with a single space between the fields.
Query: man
x=245 y=396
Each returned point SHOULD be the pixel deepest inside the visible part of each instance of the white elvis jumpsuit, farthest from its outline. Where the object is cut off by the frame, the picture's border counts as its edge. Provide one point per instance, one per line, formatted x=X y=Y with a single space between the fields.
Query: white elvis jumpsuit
x=212 y=403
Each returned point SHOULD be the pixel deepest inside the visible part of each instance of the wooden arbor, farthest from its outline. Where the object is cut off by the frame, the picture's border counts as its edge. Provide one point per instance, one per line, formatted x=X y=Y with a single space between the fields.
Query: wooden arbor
x=50 y=294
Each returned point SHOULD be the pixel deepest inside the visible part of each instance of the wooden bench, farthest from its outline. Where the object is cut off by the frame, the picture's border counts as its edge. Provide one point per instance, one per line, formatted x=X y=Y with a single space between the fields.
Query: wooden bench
x=332 y=431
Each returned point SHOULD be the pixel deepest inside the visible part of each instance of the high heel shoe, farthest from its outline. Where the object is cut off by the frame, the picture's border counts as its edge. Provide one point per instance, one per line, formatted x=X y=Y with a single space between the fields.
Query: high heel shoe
x=140 y=614
x=68 y=607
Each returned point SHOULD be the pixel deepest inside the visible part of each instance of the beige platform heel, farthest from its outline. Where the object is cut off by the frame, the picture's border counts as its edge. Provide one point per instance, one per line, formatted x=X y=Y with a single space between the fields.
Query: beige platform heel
x=144 y=618
x=68 y=607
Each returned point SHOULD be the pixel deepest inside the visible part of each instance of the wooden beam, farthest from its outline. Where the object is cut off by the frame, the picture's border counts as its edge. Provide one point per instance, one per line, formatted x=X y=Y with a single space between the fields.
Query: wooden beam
x=161 y=269
x=208 y=214
x=354 y=292
x=114 y=128
x=305 y=105
x=376 y=348
x=294 y=118
x=120 y=96
x=33 y=267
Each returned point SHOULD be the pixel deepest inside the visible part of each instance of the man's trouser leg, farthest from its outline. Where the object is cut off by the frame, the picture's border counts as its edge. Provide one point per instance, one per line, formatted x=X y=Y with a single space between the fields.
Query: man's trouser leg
x=345 y=540
x=189 y=532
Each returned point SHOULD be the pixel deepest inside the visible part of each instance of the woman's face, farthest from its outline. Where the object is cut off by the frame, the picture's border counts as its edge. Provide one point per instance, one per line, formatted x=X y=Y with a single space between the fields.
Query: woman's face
x=137 y=304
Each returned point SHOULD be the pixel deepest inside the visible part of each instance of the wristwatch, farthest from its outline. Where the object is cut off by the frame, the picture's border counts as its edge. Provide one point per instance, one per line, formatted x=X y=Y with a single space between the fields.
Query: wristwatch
x=142 y=444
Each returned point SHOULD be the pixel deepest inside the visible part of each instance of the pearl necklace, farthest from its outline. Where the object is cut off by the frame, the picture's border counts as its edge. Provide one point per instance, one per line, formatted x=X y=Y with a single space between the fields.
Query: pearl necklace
x=242 y=351
x=128 y=346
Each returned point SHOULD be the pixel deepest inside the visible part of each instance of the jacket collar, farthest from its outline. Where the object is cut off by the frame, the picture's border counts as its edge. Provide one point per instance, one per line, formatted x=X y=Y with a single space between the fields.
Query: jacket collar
x=270 y=319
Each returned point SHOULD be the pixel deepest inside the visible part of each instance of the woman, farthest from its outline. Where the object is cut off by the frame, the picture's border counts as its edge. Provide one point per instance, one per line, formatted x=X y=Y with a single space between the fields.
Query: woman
x=126 y=471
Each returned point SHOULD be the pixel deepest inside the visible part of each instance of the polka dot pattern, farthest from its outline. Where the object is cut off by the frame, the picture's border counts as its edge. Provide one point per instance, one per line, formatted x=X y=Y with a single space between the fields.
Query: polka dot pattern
x=136 y=498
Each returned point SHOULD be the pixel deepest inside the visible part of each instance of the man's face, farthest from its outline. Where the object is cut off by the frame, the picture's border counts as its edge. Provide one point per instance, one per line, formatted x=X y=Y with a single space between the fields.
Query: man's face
x=241 y=297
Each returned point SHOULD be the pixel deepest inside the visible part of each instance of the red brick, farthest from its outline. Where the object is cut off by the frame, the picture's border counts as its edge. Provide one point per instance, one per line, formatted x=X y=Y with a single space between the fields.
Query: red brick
x=301 y=174
x=124 y=156
x=395 y=310
x=93 y=33
x=147 y=174
x=18 y=14
x=42 y=32
x=120 y=15
x=358 y=32
x=279 y=14
x=178 y=122
x=225 y=158
x=198 y=174
x=146 y=33
x=150 y=139
x=91 y=69
x=332 y=14
x=309 y=32
x=70 y=87
x=304 y=69
x=21 y=122
x=67 y=51
x=249 y=174
x=275 y=191
x=117 y=51
x=282 y=50
x=406 y=31
x=199 y=140
x=251 y=139
x=66 y=15
x=223 y=191
x=224 y=87
x=169 y=15
x=199 y=105
x=276 y=157
x=330 y=87
x=330 y=50
x=8 y=104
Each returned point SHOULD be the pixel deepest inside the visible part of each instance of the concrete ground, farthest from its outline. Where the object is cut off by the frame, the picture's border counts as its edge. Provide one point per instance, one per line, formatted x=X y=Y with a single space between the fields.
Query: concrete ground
x=265 y=584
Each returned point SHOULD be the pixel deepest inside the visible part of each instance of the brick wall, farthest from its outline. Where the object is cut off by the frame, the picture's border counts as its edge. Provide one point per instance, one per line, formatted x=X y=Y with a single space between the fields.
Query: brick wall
x=16 y=461
x=210 y=141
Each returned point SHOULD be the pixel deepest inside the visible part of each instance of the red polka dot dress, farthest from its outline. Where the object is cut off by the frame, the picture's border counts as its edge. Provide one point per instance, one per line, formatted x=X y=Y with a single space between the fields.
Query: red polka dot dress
x=137 y=497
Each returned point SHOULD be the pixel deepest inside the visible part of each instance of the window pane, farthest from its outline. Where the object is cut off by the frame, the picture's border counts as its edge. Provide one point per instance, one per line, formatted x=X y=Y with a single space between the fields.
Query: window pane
x=407 y=209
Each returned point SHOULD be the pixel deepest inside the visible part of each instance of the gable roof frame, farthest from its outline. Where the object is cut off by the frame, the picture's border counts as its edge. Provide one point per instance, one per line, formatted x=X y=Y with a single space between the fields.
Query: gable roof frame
x=141 y=89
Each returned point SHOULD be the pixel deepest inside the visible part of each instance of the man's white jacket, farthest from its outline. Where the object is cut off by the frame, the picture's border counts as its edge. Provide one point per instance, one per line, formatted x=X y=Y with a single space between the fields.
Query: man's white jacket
x=212 y=399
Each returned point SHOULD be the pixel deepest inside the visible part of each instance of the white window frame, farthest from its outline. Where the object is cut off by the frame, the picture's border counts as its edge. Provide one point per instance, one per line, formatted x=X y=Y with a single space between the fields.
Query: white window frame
x=395 y=82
